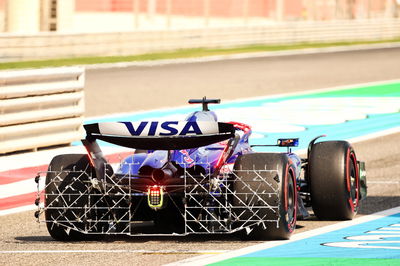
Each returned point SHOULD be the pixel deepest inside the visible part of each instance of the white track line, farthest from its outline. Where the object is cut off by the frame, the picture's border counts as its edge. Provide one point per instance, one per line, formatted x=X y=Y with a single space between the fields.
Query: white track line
x=202 y=260
x=19 y=209
x=19 y=188
x=149 y=252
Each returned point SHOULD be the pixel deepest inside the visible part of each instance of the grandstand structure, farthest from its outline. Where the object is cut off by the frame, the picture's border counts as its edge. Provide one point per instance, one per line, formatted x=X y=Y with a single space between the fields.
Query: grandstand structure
x=74 y=16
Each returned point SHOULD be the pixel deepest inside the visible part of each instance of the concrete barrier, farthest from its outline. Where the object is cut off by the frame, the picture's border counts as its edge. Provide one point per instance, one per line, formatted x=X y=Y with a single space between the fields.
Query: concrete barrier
x=40 y=108
x=56 y=45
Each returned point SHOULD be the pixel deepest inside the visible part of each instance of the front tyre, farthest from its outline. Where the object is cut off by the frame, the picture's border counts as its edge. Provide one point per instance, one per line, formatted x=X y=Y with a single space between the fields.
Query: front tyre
x=334 y=180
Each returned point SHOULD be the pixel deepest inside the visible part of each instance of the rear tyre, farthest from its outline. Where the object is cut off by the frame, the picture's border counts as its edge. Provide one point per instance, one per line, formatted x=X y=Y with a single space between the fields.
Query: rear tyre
x=67 y=192
x=257 y=188
x=334 y=180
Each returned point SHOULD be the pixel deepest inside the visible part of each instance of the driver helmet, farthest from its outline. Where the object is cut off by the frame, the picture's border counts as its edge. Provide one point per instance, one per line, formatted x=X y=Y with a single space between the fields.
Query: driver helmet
x=202 y=116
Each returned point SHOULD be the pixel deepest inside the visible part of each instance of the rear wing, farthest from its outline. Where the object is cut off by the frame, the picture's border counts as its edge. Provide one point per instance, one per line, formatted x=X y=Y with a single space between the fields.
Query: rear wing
x=155 y=135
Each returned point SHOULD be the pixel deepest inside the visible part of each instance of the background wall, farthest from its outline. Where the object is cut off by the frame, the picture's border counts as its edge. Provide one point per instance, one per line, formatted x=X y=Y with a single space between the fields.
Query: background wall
x=126 y=15
x=39 y=29
x=57 y=45
x=291 y=9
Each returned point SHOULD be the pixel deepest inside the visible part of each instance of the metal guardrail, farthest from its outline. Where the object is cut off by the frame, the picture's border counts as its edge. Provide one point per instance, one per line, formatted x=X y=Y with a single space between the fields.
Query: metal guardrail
x=56 y=45
x=40 y=108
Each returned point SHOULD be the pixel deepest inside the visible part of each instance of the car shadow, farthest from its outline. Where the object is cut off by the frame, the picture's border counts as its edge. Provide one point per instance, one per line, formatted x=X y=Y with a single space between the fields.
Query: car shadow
x=34 y=238
x=142 y=239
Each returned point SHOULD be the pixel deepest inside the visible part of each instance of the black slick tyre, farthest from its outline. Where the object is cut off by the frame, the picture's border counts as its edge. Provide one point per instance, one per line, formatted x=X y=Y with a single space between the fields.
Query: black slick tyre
x=67 y=192
x=258 y=188
x=334 y=180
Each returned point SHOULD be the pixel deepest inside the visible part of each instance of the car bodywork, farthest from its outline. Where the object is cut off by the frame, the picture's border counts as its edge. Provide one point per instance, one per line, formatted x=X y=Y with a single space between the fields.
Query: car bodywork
x=183 y=178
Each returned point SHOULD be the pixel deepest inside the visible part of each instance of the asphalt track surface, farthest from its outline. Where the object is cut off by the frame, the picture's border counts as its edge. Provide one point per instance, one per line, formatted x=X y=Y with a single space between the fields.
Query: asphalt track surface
x=136 y=88
x=144 y=88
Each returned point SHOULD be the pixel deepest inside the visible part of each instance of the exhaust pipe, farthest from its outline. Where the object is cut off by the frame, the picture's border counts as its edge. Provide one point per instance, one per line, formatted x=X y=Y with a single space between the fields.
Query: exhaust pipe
x=160 y=174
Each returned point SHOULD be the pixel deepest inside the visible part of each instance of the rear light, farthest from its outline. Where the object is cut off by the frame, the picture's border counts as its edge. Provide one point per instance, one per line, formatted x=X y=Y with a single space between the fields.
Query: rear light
x=155 y=196
x=159 y=174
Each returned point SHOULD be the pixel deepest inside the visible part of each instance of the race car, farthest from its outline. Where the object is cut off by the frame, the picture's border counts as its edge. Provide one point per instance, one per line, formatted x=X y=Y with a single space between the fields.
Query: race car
x=197 y=176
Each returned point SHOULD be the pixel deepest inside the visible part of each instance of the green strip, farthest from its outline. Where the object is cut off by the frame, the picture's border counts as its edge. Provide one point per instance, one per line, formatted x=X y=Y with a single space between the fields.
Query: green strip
x=381 y=90
x=307 y=261
x=182 y=53
x=387 y=89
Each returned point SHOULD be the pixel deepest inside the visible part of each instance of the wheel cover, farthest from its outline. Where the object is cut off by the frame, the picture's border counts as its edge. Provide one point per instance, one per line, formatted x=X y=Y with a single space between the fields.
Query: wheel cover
x=290 y=201
x=353 y=181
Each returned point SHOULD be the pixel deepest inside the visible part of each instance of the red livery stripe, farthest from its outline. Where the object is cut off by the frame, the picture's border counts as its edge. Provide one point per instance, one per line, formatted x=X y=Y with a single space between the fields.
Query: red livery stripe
x=18 y=201
x=11 y=176
x=16 y=175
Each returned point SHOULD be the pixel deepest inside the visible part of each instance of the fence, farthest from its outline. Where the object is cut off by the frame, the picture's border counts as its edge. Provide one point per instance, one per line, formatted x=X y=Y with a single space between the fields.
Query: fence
x=47 y=45
x=32 y=16
x=128 y=15
x=40 y=108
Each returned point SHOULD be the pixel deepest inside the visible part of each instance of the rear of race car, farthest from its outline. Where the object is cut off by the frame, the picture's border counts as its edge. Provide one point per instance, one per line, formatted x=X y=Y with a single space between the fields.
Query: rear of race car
x=197 y=176
x=182 y=179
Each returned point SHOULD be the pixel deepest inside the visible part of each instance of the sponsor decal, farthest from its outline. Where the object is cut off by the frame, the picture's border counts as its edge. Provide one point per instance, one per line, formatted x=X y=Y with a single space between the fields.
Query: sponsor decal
x=186 y=156
x=158 y=128
x=167 y=128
